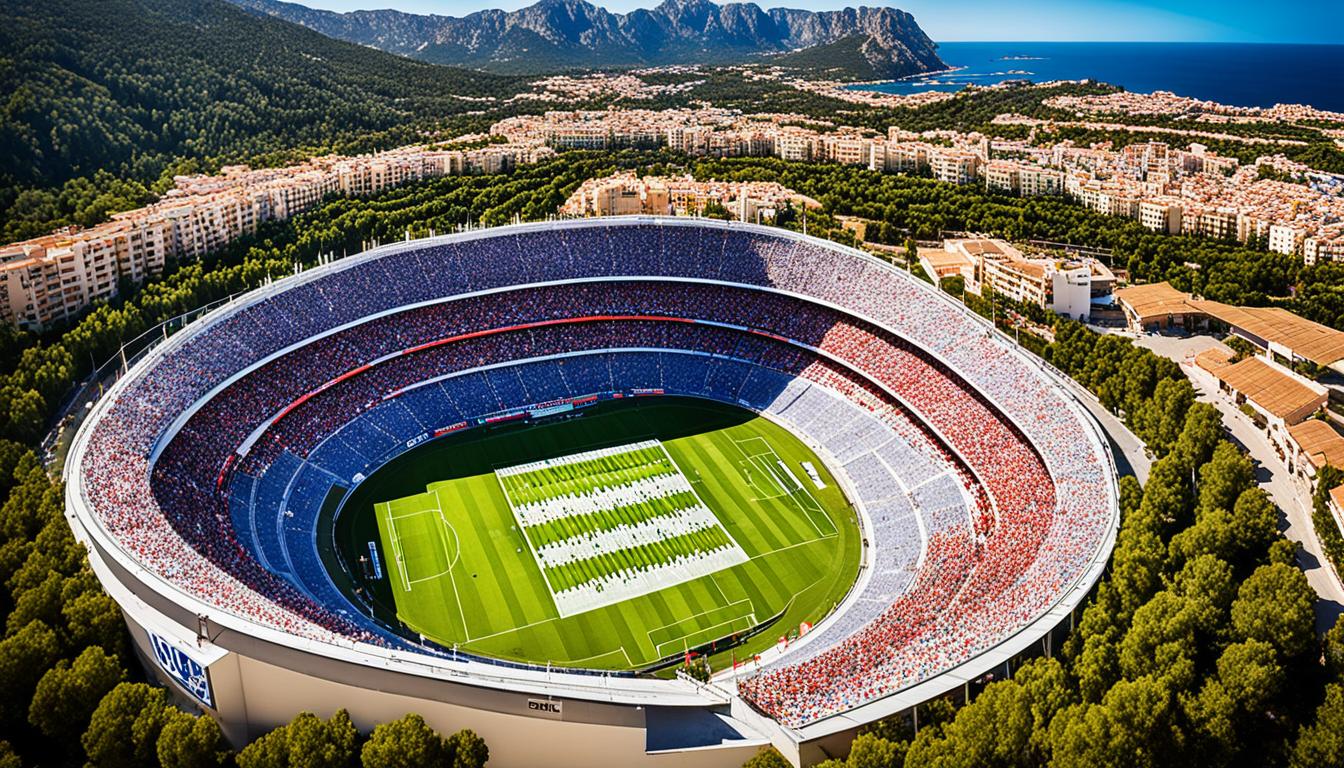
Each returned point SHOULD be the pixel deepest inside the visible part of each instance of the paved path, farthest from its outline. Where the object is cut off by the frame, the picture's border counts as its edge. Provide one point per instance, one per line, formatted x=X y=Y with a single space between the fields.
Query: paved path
x=1294 y=499
x=1291 y=494
x=1131 y=457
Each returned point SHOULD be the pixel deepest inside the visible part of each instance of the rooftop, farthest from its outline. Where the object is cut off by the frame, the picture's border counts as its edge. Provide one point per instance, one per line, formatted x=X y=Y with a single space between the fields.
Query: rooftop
x=1155 y=300
x=1320 y=442
x=940 y=260
x=1315 y=342
x=1214 y=360
x=1279 y=393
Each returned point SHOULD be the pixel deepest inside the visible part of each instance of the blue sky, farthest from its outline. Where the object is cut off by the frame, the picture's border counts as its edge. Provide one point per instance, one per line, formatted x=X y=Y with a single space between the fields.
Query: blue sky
x=1307 y=21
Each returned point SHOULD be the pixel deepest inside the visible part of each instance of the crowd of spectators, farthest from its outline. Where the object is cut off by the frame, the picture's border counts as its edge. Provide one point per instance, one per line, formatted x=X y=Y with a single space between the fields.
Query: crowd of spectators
x=987 y=493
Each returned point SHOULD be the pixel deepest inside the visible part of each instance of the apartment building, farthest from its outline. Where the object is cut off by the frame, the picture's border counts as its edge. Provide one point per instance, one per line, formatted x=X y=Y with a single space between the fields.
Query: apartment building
x=49 y=280
x=628 y=194
x=955 y=166
x=1161 y=215
x=1023 y=179
x=847 y=150
x=1062 y=286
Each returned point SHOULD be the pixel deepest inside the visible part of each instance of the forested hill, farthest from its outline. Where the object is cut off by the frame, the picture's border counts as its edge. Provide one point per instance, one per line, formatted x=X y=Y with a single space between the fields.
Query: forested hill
x=562 y=34
x=126 y=86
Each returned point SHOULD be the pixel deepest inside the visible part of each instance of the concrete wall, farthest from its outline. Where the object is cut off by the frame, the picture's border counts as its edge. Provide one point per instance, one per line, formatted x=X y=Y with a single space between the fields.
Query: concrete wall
x=253 y=697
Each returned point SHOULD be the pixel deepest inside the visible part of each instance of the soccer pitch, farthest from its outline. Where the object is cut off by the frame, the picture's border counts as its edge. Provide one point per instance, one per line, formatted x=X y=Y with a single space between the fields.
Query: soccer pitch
x=615 y=539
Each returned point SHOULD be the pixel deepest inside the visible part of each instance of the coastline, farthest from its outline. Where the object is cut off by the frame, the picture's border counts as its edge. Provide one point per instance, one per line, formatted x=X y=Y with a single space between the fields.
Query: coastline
x=1236 y=74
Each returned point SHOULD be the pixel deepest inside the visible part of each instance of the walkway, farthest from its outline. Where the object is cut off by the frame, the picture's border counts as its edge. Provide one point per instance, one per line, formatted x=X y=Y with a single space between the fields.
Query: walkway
x=1292 y=495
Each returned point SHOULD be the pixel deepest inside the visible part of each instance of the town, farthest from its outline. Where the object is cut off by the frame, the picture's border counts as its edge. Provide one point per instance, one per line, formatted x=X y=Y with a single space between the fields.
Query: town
x=1276 y=203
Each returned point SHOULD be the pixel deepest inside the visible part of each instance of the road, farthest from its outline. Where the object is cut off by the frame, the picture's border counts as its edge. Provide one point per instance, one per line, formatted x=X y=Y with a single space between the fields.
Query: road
x=1292 y=495
x=1131 y=457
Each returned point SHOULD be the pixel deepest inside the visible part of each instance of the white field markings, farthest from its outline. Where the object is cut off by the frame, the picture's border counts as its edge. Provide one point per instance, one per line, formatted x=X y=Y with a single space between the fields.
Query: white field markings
x=457 y=597
x=749 y=614
x=621 y=586
x=451 y=558
x=396 y=547
x=679 y=470
x=772 y=466
x=620 y=649
x=531 y=547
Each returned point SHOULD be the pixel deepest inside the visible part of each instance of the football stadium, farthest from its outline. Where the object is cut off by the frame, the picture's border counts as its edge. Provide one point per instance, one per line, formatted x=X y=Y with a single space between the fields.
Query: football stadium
x=610 y=492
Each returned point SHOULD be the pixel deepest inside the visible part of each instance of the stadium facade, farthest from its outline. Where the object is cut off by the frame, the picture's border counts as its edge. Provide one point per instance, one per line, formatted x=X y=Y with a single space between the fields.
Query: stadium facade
x=986 y=493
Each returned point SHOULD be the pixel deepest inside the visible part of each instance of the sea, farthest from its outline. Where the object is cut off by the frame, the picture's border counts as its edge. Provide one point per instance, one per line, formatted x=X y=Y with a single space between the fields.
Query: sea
x=1241 y=74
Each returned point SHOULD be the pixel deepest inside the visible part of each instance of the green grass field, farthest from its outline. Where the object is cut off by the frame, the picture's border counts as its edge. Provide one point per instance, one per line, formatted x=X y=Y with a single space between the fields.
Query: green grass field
x=463 y=533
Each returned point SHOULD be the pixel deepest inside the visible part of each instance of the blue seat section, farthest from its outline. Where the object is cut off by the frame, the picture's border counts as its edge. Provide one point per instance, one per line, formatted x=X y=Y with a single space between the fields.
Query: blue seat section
x=509 y=389
x=240 y=510
x=431 y=406
x=392 y=417
x=338 y=458
x=267 y=512
x=684 y=373
x=543 y=381
x=637 y=370
x=366 y=438
x=726 y=378
x=472 y=394
x=586 y=374
x=299 y=526
x=762 y=387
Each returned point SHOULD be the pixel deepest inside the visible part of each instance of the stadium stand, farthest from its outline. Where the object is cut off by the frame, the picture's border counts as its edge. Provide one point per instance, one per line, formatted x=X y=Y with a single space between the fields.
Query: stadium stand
x=986 y=499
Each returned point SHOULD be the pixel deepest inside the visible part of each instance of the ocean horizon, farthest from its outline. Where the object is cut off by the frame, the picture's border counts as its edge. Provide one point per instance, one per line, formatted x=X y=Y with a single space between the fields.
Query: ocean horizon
x=1242 y=74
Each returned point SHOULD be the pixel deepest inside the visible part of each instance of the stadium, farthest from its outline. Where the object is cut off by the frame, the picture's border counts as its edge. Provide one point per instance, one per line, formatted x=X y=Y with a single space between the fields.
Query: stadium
x=516 y=479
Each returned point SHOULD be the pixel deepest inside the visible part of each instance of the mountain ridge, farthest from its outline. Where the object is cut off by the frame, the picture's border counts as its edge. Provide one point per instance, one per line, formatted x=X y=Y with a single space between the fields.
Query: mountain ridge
x=554 y=35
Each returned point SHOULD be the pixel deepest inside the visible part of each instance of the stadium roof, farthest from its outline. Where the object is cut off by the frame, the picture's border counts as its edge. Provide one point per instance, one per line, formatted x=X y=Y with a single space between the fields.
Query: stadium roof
x=1279 y=393
x=1313 y=341
x=1320 y=442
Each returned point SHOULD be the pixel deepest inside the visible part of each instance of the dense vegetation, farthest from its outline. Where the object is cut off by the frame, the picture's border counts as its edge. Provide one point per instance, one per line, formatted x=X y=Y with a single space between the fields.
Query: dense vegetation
x=127 y=88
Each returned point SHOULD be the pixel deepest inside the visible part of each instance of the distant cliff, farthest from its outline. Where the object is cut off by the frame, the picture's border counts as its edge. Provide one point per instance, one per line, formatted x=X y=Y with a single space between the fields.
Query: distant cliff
x=562 y=34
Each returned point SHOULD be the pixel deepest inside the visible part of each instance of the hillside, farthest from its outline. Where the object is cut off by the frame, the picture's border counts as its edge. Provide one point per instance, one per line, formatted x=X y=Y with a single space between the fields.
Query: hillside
x=126 y=86
x=559 y=34
x=851 y=58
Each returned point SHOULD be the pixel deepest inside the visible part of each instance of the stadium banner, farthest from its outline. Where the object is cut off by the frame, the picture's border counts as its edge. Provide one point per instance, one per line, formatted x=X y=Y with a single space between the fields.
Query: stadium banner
x=551 y=410
x=189 y=673
x=377 y=564
x=450 y=428
x=502 y=417
x=546 y=708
